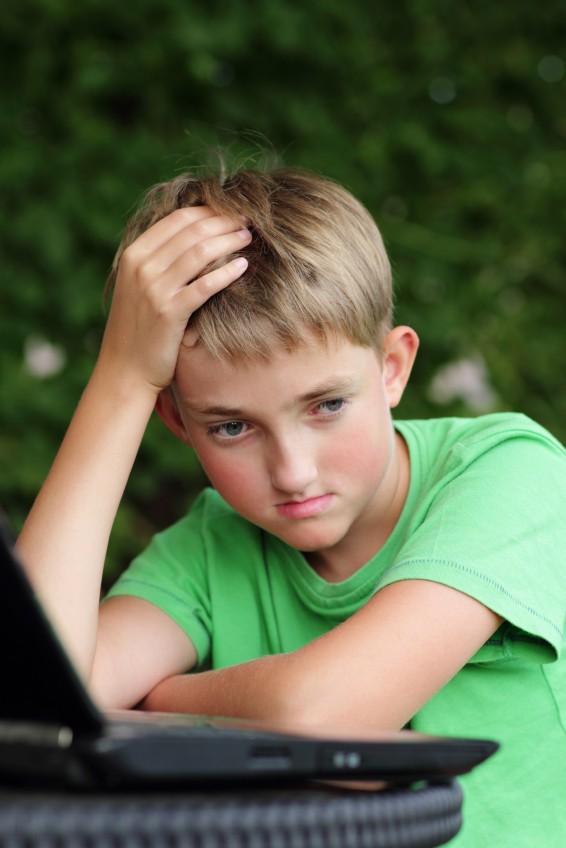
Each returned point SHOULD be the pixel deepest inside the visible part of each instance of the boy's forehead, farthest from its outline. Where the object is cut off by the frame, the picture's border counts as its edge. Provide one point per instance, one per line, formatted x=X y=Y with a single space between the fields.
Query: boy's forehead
x=316 y=367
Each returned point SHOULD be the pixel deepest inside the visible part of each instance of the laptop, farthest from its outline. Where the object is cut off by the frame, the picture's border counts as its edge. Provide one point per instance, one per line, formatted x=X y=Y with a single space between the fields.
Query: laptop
x=51 y=731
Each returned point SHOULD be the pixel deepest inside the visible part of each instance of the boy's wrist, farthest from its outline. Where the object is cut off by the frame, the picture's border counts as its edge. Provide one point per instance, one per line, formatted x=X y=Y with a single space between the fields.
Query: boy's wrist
x=123 y=386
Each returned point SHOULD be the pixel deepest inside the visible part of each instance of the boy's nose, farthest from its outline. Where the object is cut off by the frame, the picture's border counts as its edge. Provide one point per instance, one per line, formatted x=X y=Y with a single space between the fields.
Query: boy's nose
x=293 y=468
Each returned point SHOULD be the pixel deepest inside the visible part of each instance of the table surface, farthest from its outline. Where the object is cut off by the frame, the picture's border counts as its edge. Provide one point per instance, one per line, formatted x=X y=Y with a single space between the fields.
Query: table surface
x=300 y=817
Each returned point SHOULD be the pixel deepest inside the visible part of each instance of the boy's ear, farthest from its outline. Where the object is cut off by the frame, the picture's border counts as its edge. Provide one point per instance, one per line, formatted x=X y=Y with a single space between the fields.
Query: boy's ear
x=400 y=349
x=166 y=408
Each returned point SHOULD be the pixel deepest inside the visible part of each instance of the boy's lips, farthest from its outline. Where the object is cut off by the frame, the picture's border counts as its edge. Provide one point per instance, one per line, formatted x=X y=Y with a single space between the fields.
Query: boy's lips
x=304 y=509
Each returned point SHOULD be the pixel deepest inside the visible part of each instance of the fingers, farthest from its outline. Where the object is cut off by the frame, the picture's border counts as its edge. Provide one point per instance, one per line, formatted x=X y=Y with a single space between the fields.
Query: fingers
x=182 y=249
x=163 y=277
x=189 y=262
x=198 y=292
x=168 y=273
x=196 y=222
x=163 y=230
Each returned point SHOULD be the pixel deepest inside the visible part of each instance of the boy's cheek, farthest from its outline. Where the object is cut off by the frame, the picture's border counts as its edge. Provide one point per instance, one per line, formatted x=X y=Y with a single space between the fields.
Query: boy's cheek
x=233 y=480
x=358 y=467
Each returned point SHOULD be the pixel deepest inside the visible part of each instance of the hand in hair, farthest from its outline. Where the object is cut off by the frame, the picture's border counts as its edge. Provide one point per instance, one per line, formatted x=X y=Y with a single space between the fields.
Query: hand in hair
x=160 y=283
x=158 y=287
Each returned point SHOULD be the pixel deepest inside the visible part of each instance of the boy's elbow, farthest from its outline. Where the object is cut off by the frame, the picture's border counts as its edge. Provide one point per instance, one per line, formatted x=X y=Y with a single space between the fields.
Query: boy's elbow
x=108 y=698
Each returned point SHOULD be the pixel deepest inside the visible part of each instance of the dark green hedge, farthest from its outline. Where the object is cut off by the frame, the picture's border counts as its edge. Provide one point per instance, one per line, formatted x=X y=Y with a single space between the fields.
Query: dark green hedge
x=446 y=119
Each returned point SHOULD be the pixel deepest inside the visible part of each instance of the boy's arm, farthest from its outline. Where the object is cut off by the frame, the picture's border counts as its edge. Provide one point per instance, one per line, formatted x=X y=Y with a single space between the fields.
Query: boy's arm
x=376 y=670
x=63 y=543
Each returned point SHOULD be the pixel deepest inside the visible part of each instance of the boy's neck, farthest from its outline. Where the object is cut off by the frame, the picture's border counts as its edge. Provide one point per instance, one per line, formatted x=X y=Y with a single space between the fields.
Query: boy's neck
x=349 y=556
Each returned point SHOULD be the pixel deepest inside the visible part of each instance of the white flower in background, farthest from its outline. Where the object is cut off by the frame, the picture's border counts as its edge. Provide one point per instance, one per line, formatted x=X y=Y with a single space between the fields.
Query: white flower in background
x=467 y=380
x=43 y=359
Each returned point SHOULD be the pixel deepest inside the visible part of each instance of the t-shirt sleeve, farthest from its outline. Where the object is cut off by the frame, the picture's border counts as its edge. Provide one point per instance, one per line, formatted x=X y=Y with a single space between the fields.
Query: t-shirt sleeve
x=171 y=573
x=497 y=532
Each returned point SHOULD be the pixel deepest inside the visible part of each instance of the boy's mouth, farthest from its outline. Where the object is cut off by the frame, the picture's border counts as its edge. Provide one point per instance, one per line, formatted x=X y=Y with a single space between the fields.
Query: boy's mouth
x=304 y=509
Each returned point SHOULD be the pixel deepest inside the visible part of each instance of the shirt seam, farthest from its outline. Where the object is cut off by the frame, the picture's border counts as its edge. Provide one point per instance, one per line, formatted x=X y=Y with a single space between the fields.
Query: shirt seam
x=192 y=611
x=481 y=576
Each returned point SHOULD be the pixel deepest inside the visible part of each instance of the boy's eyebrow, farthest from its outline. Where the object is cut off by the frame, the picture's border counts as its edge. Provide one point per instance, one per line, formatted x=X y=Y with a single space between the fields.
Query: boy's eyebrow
x=334 y=385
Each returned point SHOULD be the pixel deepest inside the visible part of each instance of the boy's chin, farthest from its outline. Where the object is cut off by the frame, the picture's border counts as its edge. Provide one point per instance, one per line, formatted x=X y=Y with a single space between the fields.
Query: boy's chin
x=311 y=542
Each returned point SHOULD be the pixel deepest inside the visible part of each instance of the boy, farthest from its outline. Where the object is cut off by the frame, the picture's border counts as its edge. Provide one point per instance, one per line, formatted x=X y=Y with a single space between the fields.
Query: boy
x=345 y=569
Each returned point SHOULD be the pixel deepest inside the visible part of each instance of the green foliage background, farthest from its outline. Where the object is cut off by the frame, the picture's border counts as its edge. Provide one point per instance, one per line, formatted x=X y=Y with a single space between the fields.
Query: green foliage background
x=446 y=119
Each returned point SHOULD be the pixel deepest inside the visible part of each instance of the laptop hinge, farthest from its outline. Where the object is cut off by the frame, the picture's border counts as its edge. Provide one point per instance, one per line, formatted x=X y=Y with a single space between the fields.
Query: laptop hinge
x=35 y=733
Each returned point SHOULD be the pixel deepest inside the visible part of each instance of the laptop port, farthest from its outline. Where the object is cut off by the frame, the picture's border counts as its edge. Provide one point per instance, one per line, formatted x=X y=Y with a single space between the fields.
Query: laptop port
x=269 y=758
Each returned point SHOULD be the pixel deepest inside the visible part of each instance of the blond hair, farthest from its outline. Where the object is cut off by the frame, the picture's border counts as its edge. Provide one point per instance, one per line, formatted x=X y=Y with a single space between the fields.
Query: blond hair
x=316 y=261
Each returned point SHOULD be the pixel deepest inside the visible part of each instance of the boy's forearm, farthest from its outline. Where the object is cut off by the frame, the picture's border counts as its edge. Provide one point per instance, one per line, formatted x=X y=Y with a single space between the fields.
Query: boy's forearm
x=280 y=689
x=354 y=675
x=252 y=690
x=63 y=543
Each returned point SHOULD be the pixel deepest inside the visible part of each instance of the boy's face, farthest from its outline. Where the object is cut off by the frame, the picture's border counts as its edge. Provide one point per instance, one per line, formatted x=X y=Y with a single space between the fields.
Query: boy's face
x=302 y=446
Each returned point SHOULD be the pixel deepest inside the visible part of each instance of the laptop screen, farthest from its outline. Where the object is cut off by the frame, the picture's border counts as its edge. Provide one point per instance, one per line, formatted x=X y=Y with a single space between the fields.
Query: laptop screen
x=38 y=681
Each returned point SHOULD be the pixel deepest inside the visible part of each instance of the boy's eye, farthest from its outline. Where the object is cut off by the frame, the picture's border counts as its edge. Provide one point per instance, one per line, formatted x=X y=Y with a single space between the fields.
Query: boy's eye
x=229 y=430
x=331 y=406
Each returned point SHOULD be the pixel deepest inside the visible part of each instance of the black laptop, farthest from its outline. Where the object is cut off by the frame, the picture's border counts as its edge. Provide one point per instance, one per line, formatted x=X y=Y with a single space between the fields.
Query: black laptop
x=52 y=732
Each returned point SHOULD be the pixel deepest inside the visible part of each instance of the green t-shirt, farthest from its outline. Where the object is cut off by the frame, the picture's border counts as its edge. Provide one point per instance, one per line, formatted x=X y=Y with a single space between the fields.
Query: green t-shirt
x=485 y=514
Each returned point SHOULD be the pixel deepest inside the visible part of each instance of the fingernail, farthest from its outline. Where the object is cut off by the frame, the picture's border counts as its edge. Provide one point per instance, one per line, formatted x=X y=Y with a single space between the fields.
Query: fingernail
x=240 y=262
x=245 y=234
x=245 y=220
